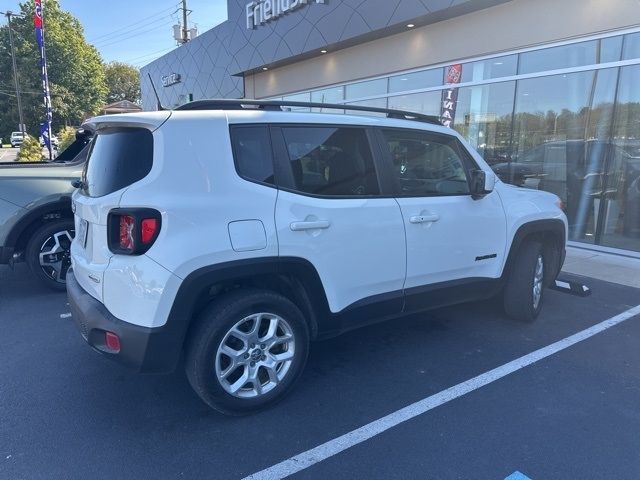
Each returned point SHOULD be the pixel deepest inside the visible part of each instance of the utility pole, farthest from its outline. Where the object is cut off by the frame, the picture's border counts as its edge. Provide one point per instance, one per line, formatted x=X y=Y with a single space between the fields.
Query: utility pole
x=15 y=70
x=185 y=31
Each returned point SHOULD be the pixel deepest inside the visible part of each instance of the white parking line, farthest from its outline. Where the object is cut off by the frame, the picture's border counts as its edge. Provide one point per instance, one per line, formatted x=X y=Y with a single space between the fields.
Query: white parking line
x=337 y=445
x=65 y=315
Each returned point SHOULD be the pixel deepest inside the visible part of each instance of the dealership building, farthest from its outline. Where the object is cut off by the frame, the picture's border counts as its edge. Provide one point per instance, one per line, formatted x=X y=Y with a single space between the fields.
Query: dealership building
x=548 y=91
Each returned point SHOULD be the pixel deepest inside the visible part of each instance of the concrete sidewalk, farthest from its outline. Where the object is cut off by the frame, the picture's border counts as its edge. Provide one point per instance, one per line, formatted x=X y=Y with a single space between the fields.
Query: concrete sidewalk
x=603 y=266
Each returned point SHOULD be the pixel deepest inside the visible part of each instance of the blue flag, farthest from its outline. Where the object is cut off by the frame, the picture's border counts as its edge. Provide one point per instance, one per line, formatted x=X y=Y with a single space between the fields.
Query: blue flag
x=45 y=129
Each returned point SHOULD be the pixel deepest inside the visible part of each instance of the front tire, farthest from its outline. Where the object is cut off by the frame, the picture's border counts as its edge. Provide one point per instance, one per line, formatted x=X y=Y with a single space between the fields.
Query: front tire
x=247 y=350
x=524 y=291
x=48 y=253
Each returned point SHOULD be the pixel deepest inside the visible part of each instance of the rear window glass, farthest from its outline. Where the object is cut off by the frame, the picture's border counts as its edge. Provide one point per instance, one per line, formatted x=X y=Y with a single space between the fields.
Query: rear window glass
x=118 y=158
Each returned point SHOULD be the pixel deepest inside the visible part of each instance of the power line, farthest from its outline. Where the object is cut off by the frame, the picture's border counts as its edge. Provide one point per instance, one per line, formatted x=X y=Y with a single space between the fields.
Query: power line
x=164 y=19
x=137 y=34
x=128 y=27
x=134 y=59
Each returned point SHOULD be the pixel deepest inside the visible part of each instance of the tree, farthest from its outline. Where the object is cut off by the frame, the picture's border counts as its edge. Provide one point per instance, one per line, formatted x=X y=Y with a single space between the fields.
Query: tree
x=76 y=73
x=30 y=150
x=123 y=82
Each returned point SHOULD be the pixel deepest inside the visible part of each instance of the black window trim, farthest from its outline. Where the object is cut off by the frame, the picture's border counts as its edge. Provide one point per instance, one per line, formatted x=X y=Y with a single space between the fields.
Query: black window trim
x=283 y=161
x=468 y=162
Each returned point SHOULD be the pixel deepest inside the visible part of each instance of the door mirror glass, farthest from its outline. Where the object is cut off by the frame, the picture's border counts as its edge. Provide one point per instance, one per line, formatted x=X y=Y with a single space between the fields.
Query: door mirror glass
x=481 y=183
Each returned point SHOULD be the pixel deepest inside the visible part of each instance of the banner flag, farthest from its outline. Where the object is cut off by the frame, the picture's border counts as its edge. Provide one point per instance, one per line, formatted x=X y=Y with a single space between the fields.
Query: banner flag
x=39 y=26
x=453 y=74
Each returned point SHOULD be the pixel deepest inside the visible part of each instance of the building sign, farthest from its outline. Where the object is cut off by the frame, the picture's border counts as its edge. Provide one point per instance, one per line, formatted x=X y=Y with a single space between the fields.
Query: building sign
x=260 y=12
x=171 y=79
x=453 y=73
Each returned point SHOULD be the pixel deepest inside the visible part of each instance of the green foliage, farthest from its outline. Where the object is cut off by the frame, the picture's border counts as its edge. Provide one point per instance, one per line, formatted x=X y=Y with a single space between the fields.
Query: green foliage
x=30 y=150
x=66 y=137
x=76 y=73
x=123 y=82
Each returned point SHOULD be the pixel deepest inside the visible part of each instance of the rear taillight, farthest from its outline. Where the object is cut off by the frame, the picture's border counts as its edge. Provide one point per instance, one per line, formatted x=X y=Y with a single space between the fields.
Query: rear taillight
x=132 y=231
x=127 y=224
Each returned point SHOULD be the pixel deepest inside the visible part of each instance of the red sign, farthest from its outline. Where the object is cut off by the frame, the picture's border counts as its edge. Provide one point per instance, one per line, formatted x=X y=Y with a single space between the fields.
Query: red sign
x=37 y=18
x=453 y=74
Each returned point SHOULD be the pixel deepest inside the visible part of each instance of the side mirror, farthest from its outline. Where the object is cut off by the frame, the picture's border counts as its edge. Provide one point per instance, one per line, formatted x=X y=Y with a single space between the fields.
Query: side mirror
x=481 y=183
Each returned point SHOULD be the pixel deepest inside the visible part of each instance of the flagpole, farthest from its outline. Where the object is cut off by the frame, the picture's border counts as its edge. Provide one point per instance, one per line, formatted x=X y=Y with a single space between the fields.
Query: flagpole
x=38 y=21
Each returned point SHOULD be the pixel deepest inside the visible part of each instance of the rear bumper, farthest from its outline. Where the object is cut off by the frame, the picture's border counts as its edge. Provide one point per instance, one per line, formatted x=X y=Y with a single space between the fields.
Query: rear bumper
x=146 y=350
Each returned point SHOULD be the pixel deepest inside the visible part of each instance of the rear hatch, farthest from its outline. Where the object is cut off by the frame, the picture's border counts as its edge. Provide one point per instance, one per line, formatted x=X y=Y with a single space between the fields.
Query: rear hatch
x=120 y=154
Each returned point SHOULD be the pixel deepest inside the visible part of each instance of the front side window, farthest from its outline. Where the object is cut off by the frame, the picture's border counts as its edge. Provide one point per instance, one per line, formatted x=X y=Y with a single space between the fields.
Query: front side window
x=331 y=161
x=426 y=164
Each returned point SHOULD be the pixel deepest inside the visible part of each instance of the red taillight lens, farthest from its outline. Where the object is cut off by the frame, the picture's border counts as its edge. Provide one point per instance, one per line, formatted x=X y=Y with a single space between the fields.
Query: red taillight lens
x=112 y=341
x=149 y=229
x=132 y=231
x=127 y=225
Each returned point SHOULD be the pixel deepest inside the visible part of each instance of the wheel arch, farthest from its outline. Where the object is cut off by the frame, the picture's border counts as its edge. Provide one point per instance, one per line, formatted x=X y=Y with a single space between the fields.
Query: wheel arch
x=551 y=233
x=296 y=278
x=19 y=235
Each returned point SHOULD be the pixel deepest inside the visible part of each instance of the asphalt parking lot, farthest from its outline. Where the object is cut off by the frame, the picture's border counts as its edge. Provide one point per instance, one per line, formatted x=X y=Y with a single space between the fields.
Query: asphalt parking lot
x=65 y=412
x=8 y=154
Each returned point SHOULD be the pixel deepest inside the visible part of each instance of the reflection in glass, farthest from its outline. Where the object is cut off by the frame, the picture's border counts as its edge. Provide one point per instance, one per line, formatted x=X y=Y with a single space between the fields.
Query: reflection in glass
x=378 y=103
x=367 y=89
x=427 y=102
x=620 y=211
x=298 y=97
x=631 y=46
x=610 y=49
x=483 y=117
x=555 y=58
x=491 y=68
x=550 y=149
x=328 y=95
x=416 y=80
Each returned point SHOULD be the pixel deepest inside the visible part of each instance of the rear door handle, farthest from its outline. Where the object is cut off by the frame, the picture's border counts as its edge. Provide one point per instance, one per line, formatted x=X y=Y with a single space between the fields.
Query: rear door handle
x=315 y=225
x=432 y=217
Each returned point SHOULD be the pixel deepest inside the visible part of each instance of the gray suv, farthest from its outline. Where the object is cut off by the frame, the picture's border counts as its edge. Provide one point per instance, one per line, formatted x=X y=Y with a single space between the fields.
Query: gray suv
x=36 y=221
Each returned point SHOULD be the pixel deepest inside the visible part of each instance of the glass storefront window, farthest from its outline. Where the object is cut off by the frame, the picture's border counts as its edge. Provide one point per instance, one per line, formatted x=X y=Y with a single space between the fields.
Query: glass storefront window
x=416 y=80
x=378 y=103
x=555 y=58
x=549 y=150
x=328 y=95
x=491 y=68
x=366 y=89
x=631 y=46
x=620 y=205
x=427 y=102
x=483 y=117
x=298 y=97
x=610 y=49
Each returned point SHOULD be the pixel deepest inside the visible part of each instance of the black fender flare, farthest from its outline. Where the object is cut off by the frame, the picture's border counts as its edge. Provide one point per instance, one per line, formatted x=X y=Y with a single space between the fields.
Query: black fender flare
x=62 y=204
x=199 y=282
x=552 y=226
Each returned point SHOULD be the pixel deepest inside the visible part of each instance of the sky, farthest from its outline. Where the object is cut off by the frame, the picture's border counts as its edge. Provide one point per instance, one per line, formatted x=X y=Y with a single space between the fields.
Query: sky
x=135 y=31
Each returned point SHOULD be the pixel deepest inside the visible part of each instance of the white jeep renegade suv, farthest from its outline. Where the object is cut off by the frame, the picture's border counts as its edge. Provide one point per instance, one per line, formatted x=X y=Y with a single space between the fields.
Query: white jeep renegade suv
x=235 y=233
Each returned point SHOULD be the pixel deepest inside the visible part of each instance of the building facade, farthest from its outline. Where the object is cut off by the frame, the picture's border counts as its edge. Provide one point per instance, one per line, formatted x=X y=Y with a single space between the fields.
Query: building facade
x=547 y=91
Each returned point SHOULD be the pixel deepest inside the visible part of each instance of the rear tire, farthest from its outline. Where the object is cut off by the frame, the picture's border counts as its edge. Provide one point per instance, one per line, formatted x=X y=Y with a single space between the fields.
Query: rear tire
x=237 y=359
x=48 y=253
x=523 y=294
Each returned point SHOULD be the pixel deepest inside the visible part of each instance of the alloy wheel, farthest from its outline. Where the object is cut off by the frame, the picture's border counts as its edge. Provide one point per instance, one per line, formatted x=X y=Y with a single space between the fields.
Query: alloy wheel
x=538 y=278
x=255 y=355
x=55 y=255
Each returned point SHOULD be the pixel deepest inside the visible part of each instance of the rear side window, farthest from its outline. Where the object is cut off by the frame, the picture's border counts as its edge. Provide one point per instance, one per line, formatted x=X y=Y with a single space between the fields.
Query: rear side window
x=118 y=158
x=331 y=161
x=426 y=164
x=252 y=153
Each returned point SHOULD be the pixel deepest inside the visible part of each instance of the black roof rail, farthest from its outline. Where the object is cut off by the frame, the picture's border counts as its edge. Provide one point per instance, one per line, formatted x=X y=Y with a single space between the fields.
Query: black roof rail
x=277 y=105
